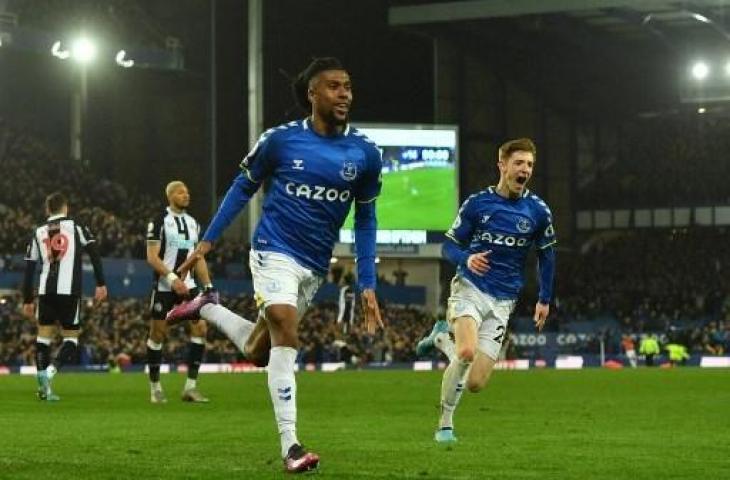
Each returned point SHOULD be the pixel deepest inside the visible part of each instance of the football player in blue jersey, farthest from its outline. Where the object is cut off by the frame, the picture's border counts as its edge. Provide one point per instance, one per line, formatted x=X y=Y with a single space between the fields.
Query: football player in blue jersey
x=317 y=168
x=489 y=242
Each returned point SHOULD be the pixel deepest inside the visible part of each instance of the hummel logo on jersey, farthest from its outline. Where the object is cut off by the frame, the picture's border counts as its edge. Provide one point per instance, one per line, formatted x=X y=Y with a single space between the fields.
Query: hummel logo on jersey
x=317 y=192
x=298 y=164
x=485 y=218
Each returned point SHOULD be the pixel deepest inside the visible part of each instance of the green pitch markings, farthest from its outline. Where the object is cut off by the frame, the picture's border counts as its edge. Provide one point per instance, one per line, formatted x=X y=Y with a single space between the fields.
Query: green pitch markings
x=540 y=424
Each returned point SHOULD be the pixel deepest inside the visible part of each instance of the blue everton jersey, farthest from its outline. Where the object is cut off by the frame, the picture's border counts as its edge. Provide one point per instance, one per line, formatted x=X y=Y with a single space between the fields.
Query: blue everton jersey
x=314 y=180
x=509 y=228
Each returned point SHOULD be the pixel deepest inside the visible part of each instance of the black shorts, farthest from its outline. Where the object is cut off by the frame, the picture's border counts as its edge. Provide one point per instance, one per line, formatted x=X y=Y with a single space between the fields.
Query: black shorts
x=63 y=309
x=162 y=302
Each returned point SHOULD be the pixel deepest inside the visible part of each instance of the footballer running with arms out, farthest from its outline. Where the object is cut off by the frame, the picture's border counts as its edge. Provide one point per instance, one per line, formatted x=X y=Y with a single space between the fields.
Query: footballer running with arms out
x=489 y=243
x=317 y=167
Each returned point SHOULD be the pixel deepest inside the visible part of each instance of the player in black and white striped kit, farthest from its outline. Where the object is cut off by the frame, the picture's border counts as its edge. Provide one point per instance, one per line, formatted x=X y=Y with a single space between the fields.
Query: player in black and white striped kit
x=58 y=244
x=171 y=239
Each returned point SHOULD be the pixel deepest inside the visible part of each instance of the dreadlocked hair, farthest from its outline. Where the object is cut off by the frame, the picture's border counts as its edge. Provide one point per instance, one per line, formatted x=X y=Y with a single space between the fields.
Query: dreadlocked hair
x=300 y=83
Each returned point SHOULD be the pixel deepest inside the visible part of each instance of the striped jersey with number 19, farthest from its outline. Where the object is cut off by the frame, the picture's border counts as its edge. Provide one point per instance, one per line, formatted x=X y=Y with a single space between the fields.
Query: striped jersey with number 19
x=59 y=244
x=178 y=235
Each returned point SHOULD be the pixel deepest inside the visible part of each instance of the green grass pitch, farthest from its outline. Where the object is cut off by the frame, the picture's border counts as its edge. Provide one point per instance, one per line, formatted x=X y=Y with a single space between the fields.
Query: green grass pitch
x=422 y=199
x=540 y=424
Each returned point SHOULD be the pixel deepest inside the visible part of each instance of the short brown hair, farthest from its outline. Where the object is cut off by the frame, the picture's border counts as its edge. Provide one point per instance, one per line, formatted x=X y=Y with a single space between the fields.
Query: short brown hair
x=55 y=202
x=518 y=145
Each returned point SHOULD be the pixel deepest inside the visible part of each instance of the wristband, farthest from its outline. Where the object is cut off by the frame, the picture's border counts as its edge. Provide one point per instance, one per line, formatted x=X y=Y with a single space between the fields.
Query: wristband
x=171 y=277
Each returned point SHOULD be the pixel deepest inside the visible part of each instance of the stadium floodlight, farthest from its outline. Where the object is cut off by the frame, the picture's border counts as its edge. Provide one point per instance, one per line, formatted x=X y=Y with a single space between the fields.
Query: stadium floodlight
x=59 y=52
x=701 y=110
x=122 y=61
x=700 y=70
x=83 y=50
x=334 y=260
x=700 y=18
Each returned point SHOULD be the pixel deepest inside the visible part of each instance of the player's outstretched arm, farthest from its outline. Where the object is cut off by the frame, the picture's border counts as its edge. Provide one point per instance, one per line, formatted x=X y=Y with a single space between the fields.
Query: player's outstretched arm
x=546 y=271
x=191 y=262
x=202 y=273
x=238 y=195
x=366 y=227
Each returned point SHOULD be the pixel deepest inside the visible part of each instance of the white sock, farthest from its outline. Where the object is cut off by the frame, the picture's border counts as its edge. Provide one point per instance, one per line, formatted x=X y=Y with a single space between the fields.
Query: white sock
x=452 y=386
x=444 y=343
x=156 y=386
x=236 y=328
x=632 y=360
x=283 y=390
x=190 y=383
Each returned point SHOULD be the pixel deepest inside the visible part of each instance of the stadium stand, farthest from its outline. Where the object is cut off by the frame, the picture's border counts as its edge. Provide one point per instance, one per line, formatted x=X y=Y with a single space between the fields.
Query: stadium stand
x=663 y=162
x=676 y=286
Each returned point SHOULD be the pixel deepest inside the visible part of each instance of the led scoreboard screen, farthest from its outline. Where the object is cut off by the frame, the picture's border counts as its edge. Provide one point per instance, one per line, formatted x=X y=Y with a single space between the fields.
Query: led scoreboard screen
x=419 y=193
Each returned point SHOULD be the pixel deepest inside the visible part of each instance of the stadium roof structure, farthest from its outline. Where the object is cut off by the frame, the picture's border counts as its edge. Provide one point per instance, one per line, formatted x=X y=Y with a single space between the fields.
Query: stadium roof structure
x=588 y=43
x=662 y=19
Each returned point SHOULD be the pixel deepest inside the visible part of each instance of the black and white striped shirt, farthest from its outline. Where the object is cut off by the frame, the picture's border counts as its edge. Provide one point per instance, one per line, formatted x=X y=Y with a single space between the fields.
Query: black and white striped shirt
x=59 y=244
x=178 y=235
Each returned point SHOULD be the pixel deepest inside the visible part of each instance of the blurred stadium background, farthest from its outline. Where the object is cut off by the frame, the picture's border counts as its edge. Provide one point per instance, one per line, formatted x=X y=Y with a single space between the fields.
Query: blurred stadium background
x=627 y=101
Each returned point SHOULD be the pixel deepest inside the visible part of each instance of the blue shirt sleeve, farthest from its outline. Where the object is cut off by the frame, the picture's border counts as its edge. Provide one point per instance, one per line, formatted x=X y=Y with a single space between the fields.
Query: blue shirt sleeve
x=546 y=232
x=366 y=224
x=366 y=227
x=370 y=182
x=546 y=269
x=236 y=198
x=259 y=163
x=459 y=235
x=463 y=227
x=544 y=242
x=454 y=253
x=255 y=167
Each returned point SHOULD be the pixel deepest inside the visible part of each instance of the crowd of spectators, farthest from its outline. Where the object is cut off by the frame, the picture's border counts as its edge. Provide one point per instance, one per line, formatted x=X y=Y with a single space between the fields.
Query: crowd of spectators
x=117 y=215
x=666 y=161
x=116 y=332
x=32 y=169
x=649 y=280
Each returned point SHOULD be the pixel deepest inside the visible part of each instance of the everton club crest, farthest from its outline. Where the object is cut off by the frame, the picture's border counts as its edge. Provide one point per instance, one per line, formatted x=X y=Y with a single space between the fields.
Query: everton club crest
x=523 y=225
x=349 y=171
